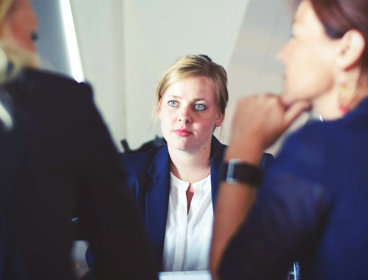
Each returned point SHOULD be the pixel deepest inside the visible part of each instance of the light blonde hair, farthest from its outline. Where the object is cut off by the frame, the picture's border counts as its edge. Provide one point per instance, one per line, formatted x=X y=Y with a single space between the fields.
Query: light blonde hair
x=16 y=56
x=192 y=66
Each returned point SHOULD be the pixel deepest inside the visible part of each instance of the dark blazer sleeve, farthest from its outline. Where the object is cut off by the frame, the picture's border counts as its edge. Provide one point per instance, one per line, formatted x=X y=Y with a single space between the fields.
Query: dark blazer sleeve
x=71 y=170
x=288 y=209
x=109 y=212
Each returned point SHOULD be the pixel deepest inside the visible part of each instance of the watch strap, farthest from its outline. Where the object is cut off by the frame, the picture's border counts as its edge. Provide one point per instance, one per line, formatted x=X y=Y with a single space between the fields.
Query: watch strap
x=236 y=171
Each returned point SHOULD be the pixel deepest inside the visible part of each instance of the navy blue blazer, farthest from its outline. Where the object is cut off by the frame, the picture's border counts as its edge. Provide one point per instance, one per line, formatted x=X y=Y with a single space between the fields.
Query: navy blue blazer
x=58 y=162
x=311 y=206
x=148 y=175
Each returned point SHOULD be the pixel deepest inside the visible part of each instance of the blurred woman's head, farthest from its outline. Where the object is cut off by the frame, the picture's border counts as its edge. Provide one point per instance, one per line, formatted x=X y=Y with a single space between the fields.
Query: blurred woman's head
x=326 y=59
x=340 y=16
x=18 y=26
x=18 y=23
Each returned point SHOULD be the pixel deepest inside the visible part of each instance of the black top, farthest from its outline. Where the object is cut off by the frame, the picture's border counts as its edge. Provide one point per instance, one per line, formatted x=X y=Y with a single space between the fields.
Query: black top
x=311 y=206
x=59 y=162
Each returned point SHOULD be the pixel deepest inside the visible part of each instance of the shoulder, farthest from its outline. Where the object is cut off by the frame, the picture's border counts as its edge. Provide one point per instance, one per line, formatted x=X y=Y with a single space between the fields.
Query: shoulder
x=140 y=168
x=267 y=160
x=217 y=148
x=48 y=77
x=138 y=162
x=306 y=151
x=48 y=93
x=50 y=85
x=312 y=138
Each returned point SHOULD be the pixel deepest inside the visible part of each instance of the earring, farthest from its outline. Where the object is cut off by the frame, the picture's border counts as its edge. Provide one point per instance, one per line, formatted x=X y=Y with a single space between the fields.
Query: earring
x=343 y=99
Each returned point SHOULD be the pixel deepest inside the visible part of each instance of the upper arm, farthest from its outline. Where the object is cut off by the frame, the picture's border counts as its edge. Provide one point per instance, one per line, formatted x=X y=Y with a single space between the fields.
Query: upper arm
x=282 y=224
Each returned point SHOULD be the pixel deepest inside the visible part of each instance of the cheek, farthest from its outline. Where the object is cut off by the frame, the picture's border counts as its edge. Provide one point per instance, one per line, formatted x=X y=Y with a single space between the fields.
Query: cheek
x=310 y=75
x=166 y=121
x=23 y=38
x=207 y=125
x=164 y=128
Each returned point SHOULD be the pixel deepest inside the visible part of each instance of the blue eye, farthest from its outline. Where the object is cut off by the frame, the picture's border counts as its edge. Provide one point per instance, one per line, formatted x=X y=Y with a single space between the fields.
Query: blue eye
x=172 y=103
x=200 y=107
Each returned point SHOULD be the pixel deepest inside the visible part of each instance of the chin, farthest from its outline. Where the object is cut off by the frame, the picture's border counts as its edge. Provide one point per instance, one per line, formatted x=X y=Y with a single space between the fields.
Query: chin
x=287 y=99
x=181 y=145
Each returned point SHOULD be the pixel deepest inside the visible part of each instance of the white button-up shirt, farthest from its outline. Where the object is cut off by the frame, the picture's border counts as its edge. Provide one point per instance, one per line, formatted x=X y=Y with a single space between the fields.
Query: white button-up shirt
x=188 y=234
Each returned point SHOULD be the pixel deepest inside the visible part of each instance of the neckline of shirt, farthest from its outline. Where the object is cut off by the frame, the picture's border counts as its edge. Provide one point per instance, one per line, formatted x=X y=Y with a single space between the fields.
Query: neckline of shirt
x=197 y=186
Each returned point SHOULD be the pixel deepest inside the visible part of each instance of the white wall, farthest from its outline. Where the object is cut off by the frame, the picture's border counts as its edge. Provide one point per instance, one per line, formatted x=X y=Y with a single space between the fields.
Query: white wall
x=253 y=67
x=127 y=44
x=99 y=27
x=157 y=33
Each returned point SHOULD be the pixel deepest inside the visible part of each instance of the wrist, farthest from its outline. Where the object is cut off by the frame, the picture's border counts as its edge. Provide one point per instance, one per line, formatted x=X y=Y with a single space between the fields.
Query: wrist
x=236 y=171
x=250 y=153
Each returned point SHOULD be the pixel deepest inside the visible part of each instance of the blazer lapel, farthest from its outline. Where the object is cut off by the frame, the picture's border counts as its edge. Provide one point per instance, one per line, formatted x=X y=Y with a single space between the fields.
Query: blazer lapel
x=217 y=151
x=157 y=200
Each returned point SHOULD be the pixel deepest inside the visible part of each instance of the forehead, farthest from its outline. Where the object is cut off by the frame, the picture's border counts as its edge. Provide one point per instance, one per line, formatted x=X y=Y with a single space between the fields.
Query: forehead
x=306 y=18
x=192 y=86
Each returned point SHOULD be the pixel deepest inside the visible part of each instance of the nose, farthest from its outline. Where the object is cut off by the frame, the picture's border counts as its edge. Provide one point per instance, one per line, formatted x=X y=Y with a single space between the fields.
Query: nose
x=185 y=115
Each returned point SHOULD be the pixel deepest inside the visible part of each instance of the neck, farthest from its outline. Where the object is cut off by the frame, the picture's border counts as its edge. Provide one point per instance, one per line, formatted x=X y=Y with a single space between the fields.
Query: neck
x=327 y=106
x=359 y=95
x=190 y=167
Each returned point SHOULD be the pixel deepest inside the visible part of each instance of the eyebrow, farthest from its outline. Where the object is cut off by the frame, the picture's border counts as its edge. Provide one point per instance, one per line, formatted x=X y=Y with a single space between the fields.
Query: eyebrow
x=179 y=97
x=200 y=99
x=174 y=96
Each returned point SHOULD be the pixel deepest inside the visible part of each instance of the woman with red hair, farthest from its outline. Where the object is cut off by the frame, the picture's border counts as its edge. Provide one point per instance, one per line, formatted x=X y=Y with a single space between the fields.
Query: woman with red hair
x=311 y=204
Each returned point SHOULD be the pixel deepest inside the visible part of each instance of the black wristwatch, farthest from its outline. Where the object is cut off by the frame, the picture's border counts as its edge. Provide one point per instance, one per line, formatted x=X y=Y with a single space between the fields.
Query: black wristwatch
x=236 y=171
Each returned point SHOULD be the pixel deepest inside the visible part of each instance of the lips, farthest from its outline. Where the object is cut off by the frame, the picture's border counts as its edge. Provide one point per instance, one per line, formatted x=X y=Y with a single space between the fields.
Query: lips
x=182 y=132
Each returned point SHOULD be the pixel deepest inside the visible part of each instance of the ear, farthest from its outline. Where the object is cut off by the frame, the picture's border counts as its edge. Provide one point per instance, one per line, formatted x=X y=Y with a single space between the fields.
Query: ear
x=219 y=119
x=351 y=49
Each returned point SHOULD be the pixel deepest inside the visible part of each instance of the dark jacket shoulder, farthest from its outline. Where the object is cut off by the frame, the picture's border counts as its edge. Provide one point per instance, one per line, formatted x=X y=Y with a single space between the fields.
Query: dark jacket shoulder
x=49 y=88
x=138 y=162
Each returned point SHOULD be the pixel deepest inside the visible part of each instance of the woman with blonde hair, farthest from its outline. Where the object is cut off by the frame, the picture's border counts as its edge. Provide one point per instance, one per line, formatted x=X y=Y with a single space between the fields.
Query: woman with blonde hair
x=312 y=202
x=176 y=185
x=57 y=162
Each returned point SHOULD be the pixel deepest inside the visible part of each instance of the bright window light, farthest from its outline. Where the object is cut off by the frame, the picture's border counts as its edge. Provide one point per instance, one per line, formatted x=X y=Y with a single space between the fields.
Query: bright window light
x=71 y=40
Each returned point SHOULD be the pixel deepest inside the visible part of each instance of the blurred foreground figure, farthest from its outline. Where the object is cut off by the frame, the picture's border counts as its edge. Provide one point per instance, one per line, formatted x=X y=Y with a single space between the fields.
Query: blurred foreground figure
x=57 y=162
x=312 y=203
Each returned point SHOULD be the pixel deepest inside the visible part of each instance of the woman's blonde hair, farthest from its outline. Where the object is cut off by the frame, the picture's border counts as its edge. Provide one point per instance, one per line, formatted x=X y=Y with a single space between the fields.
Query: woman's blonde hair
x=12 y=58
x=192 y=66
